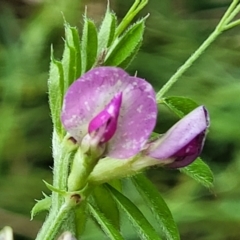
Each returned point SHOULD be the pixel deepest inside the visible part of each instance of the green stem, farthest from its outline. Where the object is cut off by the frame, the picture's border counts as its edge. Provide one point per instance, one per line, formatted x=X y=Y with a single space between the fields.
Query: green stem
x=233 y=13
x=53 y=223
x=223 y=25
x=63 y=150
x=187 y=64
x=232 y=25
x=78 y=176
x=62 y=154
x=133 y=11
x=227 y=14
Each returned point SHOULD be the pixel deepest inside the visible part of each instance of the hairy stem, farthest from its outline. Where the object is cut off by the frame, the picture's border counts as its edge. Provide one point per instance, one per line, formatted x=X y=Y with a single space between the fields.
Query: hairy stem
x=53 y=223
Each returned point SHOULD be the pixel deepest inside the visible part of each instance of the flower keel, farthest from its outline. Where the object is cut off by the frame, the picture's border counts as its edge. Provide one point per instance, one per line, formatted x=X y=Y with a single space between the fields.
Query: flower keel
x=104 y=125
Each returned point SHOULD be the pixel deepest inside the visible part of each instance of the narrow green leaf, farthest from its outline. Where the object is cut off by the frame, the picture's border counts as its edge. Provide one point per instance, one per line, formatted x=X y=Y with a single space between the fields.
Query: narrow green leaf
x=81 y=217
x=180 y=105
x=137 y=6
x=104 y=223
x=41 y=205
x=131 y=57
x=89 y=45
x=117 y=184
x=68 y=62
x=77 y=47
x=71 y=56
x=141 y=224
x=53 y=189
x=107 y=30
x=55 y=91
x=200 y=171
x=127 y=46
x=106 y=204
x=158 y=206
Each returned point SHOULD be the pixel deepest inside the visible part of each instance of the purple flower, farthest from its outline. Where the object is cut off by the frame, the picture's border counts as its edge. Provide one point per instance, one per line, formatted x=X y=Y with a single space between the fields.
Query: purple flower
x=183 y=142
x=107 y=106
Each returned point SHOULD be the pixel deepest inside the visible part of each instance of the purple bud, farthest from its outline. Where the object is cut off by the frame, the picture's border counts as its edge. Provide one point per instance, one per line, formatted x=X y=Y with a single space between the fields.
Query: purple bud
x=104 y=125
x=184 y=141
x=112 y=108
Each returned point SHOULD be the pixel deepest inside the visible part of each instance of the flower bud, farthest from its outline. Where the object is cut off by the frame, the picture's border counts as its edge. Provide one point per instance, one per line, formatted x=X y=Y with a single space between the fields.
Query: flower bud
x=183 y=142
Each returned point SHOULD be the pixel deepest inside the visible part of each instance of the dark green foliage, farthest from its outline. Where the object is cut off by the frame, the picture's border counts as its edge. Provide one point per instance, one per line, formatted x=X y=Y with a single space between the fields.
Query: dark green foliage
x=158 y=206
x=124 y=49
x=106 y=204
x=106 y=225
x=201 y=172
x=71 y=56
x=107 y=31
x=141 y=224
x=56 y=91
x=89 y=45
x=180 y=105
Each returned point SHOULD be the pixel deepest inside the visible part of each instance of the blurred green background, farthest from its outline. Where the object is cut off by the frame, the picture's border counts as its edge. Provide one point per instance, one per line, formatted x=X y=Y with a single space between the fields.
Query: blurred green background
x=174 y=30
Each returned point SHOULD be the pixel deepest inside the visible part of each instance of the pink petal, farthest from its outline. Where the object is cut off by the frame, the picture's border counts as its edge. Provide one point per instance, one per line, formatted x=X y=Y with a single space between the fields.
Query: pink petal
x=90 y=95
x=184 y=141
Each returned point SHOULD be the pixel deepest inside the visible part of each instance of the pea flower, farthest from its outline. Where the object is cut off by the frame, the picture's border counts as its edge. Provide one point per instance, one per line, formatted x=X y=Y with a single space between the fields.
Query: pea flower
x=182 y=143
x=108 y=107
x=179 y=147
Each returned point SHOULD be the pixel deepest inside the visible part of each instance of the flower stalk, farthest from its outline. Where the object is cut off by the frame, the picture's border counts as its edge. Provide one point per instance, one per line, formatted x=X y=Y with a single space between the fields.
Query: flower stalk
x=222 y=26
x=133 y=11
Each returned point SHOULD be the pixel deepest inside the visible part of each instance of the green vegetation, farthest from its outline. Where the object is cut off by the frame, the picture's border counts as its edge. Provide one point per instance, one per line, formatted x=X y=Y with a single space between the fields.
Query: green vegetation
x=174 y=30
